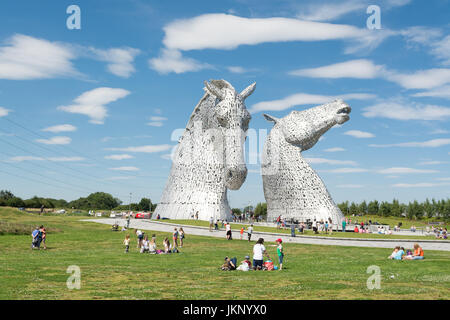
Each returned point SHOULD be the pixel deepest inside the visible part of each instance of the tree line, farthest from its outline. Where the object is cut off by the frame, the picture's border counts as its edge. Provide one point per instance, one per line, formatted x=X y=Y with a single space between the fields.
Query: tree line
x=95 y=201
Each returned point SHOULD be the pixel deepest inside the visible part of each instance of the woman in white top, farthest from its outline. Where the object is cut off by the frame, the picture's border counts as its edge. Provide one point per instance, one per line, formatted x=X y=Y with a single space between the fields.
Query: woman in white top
x=152 y=246
x=258 y=252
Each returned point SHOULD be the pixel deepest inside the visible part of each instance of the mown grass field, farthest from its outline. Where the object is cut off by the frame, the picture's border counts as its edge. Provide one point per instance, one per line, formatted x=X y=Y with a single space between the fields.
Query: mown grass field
x=311 y=272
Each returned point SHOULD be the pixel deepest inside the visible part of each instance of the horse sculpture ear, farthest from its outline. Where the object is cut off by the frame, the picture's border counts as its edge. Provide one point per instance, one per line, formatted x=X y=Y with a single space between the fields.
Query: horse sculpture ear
x=248 y=91
x=270 y=118
x=214 y=90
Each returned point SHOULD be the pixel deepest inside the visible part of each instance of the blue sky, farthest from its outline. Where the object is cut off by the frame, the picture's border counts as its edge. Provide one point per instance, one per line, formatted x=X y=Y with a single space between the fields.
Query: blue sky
x=94 y=109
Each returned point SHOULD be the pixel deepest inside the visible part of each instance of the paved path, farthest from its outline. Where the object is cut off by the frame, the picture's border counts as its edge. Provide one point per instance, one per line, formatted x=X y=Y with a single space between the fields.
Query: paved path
x=270 y=237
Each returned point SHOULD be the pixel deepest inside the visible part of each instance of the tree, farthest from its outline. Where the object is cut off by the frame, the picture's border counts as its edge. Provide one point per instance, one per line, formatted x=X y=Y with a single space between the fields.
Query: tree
x=353 y=209
x=261 y=209
x=373 y=207
x=15 y=202
x=385 y=209
x=344 y=207
x=396 y=209
x=236 y=211
x=363 y=207
x=145 y=204
x=6 y=195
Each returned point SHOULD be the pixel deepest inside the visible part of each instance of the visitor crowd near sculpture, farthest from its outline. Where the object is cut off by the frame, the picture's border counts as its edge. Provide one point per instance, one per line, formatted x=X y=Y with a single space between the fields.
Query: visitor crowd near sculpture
x=209 y=159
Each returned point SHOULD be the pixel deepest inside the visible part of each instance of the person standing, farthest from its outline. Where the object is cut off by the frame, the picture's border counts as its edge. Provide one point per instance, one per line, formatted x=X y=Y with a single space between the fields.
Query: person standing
x=126 y=242
x=242 y=232
x=249 y=232
x=44 y=236
x=344 y=224
x=35 y=235
x=280 y=253
x=228 y=230
x=140 y=236
x=216 y=225
x=175 y=237
x=181 y=237
x=258 y=254
x=293 y=230
x=210 y=224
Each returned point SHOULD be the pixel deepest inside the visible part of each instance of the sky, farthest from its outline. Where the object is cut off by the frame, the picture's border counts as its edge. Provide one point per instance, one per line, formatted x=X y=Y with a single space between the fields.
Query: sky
x=94 y=101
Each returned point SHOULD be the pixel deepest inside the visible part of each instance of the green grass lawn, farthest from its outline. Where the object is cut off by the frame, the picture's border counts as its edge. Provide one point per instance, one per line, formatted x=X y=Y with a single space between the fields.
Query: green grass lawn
x=237 y=227
x=311 y=272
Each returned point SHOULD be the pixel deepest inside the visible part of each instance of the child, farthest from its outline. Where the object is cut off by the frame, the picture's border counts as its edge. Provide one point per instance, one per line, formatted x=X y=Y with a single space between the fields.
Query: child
x=152 y=246
x=280 y=253
x=145 y=245
x=394 y=252
x=126 y=242
x=181 y=237
x=175 y=237
x=167 y=246
x=242 y=232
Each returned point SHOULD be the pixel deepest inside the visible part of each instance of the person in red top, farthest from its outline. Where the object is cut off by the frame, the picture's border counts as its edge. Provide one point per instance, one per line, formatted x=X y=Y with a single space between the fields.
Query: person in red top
x=356 y=229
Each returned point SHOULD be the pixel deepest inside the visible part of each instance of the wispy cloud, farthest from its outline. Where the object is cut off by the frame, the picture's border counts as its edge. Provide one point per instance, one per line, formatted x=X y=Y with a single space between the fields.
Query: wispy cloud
x=55 y=140
x=119 y=157
x=346 y=170
x=420 y=185
x=173 y=61
x=432 y=163
x=359 y=134
x=4 y=112
x=440 y=92
x=120 y=60
x=26 y=58
x=335 y=149
x=93 y=103
x=54 y=159
x=60 y=128
x=124 y=169
x=423 y=144
x=402 y=170
x=406 y=110
x=143 y=149
x=330 y=161
x=350 y=186
x=304 y=99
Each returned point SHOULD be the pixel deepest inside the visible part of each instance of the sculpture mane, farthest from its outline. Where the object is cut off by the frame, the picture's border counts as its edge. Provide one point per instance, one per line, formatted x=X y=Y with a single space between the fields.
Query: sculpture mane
x=209 y=158
x=291 y=187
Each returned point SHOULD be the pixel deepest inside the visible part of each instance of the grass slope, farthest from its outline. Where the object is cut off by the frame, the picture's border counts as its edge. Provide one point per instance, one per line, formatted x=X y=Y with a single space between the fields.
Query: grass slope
x=312 y=272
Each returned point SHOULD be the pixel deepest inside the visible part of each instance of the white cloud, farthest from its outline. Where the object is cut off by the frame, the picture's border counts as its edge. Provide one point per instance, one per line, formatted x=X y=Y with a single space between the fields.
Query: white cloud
x=425 y=144
x=120 y=60
x=346 y=170
x=335 y=149
x=440 y=92
x=330 y=11
x=92 y=103
x=55 y=140
x=359 y=69
x=431 y=163
x=443 y=179
x=25 y=58
x=143 y=149
x=406 y=110
x=330 y=161
x=157 y=118
x=236 y=69
x=173 y=61
x=54 y=159
x=60 y=128
x=125 y=169
x=155 y=124
x=350 y=186
x=359 y=134
x=120 y=178
x=419 y=185
x=402 y=170
x=422 y=79
x=304 y=99
x=4 y=112
x=225 y=31
x=119 y=157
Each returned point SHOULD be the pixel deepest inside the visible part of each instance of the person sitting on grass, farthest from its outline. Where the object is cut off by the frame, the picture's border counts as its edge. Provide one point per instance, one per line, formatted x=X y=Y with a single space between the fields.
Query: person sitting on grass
x=152 y=246
x=167 y=245
x=400 y=253
x=393 y=254
x=417 y=255
x=229 y=264
x=145 y=245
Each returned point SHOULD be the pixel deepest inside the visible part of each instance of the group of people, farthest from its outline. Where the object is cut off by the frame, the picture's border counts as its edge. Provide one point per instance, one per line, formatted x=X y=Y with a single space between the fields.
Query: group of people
x=39 y=236
x=144 y=245
x=440 y=233
x=400 y=253
x=259 y=251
